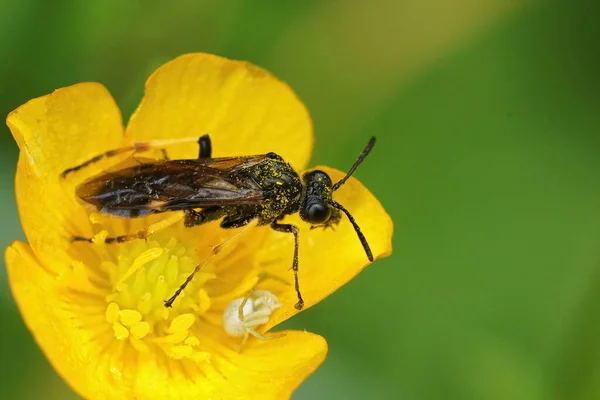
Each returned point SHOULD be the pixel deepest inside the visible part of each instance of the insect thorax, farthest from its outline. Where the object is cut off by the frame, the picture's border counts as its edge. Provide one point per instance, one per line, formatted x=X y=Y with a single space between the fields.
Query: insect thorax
x=282 y=187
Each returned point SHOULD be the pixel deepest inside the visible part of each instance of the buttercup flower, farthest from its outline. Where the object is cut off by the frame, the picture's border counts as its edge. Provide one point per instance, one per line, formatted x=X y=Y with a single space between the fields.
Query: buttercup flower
x=97 y=310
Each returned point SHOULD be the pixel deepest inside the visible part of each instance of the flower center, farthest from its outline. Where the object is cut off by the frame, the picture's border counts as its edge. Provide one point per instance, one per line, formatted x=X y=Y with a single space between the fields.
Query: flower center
x=144 y=275
x=118 y=291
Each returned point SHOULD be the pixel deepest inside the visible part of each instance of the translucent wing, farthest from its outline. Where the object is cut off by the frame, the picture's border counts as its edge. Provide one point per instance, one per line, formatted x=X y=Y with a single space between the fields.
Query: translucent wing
x=159 y=186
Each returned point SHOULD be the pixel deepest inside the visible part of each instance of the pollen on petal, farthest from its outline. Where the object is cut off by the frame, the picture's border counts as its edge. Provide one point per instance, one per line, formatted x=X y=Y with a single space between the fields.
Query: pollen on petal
x=140 y=329
x=121 y=332
x=95 y=218
x=192 y=341
x=112 y=313
x=181 y=323
x=130 y=317
x=100 y=237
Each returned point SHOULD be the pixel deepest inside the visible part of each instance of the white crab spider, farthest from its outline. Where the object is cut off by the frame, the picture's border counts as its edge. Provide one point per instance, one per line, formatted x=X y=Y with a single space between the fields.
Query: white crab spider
x=242 y=315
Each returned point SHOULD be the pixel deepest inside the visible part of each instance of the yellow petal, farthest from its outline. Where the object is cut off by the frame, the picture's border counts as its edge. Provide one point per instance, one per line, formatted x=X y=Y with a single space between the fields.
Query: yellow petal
x=273 y=369
x=55 y=132
x=245 y=109
x=37 y=294
x=329 y=258
x=267 y=370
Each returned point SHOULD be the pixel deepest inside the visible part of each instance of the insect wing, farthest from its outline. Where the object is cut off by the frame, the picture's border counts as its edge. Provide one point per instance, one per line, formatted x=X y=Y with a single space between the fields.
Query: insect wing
x=158 y=186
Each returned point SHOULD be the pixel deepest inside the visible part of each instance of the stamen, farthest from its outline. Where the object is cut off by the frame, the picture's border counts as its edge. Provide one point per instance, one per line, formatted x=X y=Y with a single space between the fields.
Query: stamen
x=145 y=272
x=204 y=302
x=130 y=317
x=140 y=261
x=192 y=341
x=139 y=345
x=173 y=338
x=140 y=329
x=161 y=288
x=182 y=322
x=145 y=304
x=121 y=332
x=181 y=351
x=112 y=313
x=141 y=275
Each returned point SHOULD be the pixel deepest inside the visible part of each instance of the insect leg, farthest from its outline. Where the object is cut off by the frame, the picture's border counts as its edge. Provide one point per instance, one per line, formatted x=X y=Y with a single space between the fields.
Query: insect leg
x=141 y=234
x=236 y=221
x=193 y=218
x=288 y=228
x=134 y=148
x=205 y=147
x=215 y=250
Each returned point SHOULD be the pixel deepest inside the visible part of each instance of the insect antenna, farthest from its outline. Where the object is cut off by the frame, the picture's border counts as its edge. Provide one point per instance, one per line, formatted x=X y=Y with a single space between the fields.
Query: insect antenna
x=361 y=237
x=360 y=159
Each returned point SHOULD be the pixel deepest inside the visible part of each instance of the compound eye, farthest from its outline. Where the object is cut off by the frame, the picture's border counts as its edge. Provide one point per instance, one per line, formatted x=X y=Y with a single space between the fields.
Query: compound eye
x=318 y=213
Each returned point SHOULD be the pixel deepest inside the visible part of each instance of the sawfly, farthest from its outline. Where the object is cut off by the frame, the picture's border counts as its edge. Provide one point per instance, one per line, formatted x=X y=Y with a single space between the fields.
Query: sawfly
x=236 y=190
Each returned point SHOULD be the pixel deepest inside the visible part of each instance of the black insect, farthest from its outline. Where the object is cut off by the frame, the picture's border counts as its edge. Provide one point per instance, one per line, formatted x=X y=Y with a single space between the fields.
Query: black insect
x=236 y=189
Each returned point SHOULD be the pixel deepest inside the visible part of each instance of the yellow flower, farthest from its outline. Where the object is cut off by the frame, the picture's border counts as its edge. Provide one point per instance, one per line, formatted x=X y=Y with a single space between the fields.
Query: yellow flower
x=97 y=310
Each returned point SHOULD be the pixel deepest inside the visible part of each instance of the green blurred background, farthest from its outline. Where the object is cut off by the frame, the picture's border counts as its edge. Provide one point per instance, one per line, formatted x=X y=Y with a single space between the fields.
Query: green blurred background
x=488 y=115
